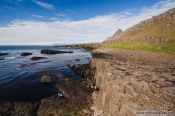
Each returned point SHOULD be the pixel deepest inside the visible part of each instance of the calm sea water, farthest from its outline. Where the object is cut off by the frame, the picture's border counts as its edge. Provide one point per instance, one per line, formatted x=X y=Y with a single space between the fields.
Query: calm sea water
x=19 y=79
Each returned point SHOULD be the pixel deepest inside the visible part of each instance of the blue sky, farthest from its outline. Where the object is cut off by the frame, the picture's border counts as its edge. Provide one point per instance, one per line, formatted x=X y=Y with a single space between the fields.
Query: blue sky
x=46 y=10
x=71 y=21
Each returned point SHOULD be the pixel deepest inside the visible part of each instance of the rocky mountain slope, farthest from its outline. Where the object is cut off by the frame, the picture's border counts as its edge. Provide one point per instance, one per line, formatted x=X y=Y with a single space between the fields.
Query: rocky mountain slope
x=157 y=32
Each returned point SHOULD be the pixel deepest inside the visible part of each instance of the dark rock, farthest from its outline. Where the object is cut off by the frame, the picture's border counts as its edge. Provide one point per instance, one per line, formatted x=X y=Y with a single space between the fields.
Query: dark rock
x=24 y=109
x=18 y=108
x=86 y=73
x=77 y=59
x=63 y=92
x=6 y=108
x=26 y=54
x=51 y=52
x=37 y=58
x=4 y=54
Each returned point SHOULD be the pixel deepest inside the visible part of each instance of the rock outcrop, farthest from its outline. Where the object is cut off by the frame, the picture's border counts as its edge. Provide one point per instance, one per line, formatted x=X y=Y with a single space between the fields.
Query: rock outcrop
x=26 y=54
x=132 y=83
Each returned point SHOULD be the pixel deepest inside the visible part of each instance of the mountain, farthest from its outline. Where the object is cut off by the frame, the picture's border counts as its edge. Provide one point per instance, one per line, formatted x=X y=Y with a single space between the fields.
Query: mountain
x=155 y=34
x=116 y=35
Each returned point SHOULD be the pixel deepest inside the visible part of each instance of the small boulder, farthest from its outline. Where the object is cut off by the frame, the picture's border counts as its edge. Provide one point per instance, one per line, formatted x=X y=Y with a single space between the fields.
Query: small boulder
x=52 y=52
x=26 y=54
x=38 y=58
x=48 y=78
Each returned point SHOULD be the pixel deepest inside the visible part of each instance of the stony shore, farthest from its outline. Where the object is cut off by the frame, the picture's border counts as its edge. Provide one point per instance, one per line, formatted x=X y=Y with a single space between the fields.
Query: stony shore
x=117 y=82
x=133 y=82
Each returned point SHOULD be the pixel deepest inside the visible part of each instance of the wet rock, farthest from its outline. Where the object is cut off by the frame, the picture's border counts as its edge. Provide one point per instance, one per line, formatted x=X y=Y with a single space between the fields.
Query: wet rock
x=18 y=108
x=77 y=60
x=5 y=108
x=37 y=58
x=48 y=78
x=87 y=74
x=26 y=54
x=71 y=100
x=24 y=109
x=3 y=54
x=63 y=92
x=52 y=52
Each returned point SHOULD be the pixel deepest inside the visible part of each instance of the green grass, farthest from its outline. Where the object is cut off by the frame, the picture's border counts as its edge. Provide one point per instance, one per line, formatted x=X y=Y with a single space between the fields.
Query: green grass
x=145 y=46
x=162 y=28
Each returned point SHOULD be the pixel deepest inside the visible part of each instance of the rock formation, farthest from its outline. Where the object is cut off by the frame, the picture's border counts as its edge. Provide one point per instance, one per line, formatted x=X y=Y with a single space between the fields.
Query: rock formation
x=131 y=82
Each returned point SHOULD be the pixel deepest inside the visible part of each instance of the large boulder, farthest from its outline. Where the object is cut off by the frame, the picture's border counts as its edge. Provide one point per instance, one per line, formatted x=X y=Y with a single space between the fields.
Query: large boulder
x=51 y=52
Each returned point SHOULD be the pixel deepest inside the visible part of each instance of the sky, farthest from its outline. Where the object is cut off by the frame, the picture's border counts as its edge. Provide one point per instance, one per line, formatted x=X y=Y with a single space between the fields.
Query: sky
x=48 y=22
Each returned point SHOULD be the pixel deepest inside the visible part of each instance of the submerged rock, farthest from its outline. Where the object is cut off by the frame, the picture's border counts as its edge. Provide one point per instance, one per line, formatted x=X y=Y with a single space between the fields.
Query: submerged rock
x=71 y=100
x=18 y=108
x=48 y=78
x=37 y=58
x=26 y=54
x=51 y=52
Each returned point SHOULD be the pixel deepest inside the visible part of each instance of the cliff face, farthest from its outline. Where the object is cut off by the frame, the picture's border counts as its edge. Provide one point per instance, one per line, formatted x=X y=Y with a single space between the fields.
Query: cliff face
x=135 y=84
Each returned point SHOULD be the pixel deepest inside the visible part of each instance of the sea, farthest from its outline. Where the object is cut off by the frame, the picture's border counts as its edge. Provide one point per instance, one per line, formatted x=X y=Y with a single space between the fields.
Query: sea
x=19 y=79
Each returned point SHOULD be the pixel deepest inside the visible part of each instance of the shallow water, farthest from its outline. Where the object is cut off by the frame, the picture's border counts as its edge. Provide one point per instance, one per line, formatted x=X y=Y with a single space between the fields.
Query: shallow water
x=19 y=79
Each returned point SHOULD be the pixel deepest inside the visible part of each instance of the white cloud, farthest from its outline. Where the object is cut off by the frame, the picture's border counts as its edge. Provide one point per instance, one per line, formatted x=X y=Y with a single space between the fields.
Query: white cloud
x=38 y=16
x=95 y=29
x=44 y=4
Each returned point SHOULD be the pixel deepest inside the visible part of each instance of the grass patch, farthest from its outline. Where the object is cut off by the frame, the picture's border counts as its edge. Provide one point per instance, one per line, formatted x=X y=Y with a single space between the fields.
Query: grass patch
x=145 y=46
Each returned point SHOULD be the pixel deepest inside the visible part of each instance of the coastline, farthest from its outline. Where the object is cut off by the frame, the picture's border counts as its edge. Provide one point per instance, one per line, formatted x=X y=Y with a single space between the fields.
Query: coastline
x=69 y=95
x=133 y=82
x=115 y=82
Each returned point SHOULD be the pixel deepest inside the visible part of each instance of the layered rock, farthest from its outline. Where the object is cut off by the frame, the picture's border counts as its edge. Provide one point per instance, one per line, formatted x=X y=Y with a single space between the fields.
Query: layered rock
x=131 y=83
